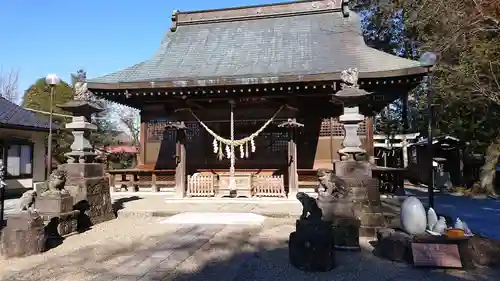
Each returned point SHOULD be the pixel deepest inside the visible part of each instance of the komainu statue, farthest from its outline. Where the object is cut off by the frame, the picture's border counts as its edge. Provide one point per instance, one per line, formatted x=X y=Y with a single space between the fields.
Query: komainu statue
x=349 y=77
x=27 y=201
x=310 y=209
x=330 y=186
x=55 y=184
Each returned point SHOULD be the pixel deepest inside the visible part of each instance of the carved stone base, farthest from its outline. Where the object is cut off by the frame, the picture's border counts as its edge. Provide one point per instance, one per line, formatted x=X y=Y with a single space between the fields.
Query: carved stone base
x=54 y=203
x=24 y=235
x=92 y=198
x=353 y=169
x=365 y=195
x=345 y=233
x=334 y=208
x=311 y=247
x=61 y=224
x=83 y=170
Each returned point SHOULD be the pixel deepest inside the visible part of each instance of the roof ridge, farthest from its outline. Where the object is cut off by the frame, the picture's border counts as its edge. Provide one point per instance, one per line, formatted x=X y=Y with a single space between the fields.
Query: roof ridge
x=258 y=12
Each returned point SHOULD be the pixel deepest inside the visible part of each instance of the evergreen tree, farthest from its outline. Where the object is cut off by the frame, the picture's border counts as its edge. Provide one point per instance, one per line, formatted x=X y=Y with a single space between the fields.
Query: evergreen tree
x=38 y=97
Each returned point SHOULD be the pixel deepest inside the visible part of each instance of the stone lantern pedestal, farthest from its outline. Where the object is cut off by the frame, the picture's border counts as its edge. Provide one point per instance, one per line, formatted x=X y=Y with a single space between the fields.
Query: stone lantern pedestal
x=354 y=168
x=86 y=180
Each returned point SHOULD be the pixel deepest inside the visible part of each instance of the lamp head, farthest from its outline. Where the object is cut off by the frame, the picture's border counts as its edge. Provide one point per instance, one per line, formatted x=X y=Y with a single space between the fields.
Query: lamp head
x=52 y=80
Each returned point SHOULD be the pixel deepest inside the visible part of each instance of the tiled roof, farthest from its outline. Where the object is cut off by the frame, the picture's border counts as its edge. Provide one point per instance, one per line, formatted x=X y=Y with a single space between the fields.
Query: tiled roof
x=15 y=116
x=319 y=42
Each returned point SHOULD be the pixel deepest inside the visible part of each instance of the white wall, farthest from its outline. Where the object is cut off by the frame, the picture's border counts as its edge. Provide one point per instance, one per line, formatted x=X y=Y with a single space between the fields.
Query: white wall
x=39 y=150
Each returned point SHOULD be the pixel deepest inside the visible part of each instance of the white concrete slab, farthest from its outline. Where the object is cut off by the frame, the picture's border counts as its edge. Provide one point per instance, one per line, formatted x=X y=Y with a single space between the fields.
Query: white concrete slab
x=215 y=218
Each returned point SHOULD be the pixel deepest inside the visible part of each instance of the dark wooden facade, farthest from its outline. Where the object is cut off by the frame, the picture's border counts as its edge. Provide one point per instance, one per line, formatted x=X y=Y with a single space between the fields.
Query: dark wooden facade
x=260 y=57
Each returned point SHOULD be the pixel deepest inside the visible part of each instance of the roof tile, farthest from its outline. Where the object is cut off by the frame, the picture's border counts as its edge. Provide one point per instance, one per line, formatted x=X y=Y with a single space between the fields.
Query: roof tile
x=14 y=115
x=301 y=44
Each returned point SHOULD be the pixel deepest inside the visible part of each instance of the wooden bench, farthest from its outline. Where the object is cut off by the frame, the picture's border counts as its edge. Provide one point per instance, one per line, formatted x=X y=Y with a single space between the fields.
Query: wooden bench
x=135 y=178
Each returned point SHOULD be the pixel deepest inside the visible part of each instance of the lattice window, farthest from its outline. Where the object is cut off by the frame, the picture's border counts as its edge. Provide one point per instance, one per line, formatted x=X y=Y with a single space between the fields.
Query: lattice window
x=155 y=130
x=336 y=128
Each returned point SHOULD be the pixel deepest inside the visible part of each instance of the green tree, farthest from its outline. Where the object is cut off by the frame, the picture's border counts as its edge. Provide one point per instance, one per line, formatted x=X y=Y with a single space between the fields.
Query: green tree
x=38 y=97
x=466 y=35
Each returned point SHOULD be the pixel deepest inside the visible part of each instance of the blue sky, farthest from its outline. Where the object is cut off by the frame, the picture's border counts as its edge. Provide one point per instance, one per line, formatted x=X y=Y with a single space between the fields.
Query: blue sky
x=39 y=37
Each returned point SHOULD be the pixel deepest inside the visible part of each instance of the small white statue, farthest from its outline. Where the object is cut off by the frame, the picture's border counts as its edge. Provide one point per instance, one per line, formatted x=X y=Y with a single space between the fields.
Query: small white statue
x=467 y=230
x=459 y=224
x=440 y=226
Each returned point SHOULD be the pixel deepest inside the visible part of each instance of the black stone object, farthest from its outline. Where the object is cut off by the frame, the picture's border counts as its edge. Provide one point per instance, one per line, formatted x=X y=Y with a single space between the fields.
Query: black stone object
x=311 y=246
x=394 y=245
x=345 y=233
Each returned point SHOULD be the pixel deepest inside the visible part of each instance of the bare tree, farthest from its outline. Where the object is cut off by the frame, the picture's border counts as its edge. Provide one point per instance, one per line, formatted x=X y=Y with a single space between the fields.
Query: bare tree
x=130 y=119
x=127 y=119
x=9 y=85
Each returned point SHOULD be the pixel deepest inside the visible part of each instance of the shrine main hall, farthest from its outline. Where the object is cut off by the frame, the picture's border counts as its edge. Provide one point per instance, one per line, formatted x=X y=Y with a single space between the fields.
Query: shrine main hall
x=246 y=93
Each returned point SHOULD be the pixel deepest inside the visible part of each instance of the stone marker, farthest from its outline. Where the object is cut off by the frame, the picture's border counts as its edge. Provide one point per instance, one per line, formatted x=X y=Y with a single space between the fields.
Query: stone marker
x=311 y=245
x=24 y=235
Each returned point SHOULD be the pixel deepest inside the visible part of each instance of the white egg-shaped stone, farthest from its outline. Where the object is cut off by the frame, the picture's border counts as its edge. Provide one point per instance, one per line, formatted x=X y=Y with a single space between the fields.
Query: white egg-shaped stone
x=413 y=216
x=432 y=218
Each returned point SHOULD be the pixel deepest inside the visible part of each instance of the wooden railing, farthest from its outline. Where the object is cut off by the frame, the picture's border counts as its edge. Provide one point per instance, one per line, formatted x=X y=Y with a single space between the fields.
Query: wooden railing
x=198 y=185
x=268 y=186
x=307 y=178
x=201 y=185
x=133 y=179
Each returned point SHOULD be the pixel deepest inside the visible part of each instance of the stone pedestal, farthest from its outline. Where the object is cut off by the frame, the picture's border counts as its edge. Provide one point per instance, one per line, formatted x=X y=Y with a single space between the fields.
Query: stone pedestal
x=311 y=246
x=89 y=187
x=365 y=196
x=57 y=212
x=54 y=203
x=24 y=235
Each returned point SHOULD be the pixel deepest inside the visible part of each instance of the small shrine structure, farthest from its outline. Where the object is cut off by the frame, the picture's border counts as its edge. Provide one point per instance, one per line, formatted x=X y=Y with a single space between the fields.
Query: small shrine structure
x=253 y=87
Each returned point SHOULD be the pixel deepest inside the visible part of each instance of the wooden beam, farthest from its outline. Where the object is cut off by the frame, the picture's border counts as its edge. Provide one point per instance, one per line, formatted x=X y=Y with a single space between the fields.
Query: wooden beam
x=142 y=140
x=369 y=136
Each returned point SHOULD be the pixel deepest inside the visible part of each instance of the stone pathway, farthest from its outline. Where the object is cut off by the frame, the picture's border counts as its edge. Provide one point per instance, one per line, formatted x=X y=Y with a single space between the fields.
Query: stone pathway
x=142 y=249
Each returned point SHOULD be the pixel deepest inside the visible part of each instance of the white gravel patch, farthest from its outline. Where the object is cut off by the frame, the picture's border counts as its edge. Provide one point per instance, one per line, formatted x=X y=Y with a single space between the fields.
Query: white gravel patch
x=215 y=218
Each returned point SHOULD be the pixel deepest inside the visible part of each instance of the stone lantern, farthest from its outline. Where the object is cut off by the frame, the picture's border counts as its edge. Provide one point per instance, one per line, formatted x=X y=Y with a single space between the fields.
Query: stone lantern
x=351 y=96
x=81 y=128
x=86 y=180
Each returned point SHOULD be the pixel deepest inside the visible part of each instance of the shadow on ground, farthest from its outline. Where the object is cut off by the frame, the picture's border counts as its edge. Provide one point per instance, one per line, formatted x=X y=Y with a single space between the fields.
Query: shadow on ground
x=118 y=203
x=212 y=253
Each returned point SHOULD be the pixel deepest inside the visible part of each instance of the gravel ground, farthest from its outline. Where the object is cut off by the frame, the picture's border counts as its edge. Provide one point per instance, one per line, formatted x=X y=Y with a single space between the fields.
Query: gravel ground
x=143 y=249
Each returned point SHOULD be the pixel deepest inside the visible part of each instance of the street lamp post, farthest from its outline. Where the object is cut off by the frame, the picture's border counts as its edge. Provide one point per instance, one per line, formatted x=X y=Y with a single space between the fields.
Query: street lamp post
x=52 y=80
x=3 y=185
x=428 y=60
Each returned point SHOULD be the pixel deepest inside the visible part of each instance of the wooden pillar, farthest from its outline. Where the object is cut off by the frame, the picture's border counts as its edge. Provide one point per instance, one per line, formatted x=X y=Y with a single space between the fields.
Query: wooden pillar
x=404 y=113
x=180 y=158
x=369 y=136
x=293 y=177
x=142 y=141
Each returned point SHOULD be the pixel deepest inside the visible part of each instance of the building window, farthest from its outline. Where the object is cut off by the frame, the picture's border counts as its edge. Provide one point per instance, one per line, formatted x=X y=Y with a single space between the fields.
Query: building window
x=19 y=160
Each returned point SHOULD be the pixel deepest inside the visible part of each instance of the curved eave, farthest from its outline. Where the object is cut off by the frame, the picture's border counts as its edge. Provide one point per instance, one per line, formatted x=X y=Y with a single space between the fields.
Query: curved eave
x=26 y=128
x=243 y=81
